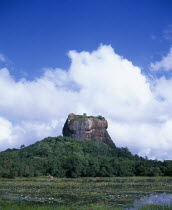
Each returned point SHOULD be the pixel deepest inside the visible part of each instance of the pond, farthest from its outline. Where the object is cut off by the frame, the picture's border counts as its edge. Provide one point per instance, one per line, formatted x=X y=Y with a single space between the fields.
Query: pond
x=164 y=200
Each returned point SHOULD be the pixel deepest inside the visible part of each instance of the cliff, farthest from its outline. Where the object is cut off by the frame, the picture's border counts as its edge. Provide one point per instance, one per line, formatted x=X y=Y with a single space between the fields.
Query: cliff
x=87 y=128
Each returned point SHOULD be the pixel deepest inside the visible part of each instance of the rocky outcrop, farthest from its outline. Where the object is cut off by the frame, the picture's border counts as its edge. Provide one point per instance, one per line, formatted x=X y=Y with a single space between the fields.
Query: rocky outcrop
x=87 y=128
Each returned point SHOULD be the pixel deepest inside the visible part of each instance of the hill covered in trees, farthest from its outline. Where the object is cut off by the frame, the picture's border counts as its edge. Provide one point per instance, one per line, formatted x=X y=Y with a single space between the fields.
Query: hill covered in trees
x=68 y=157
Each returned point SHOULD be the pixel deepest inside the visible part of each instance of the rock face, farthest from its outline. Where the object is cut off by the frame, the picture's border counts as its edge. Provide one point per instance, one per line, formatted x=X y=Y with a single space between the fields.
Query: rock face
x=87 y=128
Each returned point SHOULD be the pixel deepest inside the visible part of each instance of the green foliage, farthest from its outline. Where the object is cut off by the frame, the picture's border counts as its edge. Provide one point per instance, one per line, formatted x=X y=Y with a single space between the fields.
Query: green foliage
x=84 y=116
x=67 y=157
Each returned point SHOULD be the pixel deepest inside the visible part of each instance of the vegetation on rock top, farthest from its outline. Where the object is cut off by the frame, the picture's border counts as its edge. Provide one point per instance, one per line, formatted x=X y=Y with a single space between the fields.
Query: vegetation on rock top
x=84 y=116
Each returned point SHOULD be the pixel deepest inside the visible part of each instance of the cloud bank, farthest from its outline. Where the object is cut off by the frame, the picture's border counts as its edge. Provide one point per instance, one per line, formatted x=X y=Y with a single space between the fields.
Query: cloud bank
x=98 y=83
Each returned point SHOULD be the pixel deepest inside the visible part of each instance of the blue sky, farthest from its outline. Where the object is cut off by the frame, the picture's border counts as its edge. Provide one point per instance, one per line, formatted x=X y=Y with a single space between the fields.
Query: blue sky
x=101 y=57
x=39 y=33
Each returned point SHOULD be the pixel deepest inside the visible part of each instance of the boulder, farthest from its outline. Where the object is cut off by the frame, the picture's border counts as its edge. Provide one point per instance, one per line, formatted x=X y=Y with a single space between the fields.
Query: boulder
x=87 y=128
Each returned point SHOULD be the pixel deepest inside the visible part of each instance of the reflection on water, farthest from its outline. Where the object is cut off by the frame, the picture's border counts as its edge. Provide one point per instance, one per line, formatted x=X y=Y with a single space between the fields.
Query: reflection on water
x=158 y=199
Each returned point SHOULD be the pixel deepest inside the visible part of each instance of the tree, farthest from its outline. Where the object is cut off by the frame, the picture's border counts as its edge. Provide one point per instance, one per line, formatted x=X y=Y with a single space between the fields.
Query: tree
x=22 y=146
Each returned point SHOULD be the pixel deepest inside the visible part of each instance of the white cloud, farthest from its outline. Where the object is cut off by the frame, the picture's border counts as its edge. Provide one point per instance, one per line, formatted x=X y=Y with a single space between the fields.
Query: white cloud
x=24 y=133
x=102 y=82
x=164 y=64
x=2 y=58
x=167 y=33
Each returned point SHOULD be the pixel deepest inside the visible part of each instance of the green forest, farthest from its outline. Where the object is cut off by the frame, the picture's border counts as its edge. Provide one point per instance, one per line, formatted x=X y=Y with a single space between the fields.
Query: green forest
x=67 y=157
